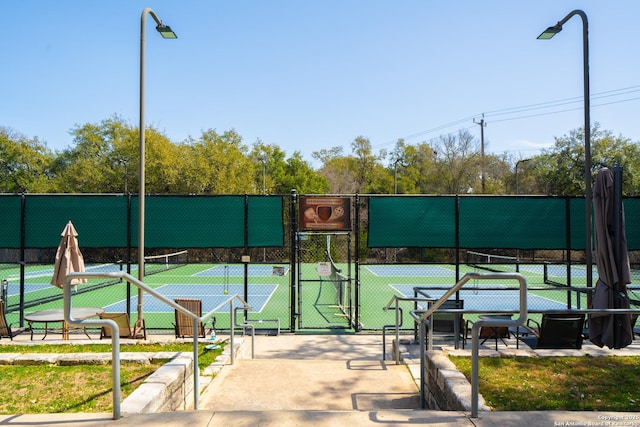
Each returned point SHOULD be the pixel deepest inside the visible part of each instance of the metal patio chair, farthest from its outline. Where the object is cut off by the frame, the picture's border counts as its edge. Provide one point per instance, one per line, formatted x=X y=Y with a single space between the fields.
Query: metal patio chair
x=496 y=333
x=184 y=324
x=449 y=323
x=556 y=331
x=124 y=326
x=6 y=331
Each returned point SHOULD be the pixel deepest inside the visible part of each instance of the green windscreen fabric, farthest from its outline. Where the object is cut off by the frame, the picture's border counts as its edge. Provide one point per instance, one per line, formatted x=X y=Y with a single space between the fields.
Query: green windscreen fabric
x=412 y=222
x=265 y=222
x=101 y=221
x=579 y=225
x=10 y=220
x=512 y=222
x=632 y=223
x=216 y=221
x=192 y=221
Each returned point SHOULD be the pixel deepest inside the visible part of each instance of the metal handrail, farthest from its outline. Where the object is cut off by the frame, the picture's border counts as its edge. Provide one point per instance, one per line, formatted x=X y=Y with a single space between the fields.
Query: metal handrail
x=115 y=333
x=422 y=316
x=522 y=318
x=245 y=324
x=394 y=301
x=384 y=334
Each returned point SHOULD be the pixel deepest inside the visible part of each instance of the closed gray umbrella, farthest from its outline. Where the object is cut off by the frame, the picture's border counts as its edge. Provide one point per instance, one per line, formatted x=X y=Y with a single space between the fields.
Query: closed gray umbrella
x=69 y=259
x=614 y=273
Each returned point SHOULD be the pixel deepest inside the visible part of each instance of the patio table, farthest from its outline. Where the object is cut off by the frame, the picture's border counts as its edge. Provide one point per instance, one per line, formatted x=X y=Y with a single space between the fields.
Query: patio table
x=56 y=315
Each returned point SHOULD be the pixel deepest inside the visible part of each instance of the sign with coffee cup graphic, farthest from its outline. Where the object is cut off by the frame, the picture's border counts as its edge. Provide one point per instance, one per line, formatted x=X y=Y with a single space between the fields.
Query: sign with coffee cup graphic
x=324 y=213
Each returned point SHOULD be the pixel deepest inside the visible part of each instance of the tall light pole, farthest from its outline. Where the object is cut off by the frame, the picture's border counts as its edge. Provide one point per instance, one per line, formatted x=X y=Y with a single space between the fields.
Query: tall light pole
x=517 y=164
x=547 y=34
x=264 y=175
x=123 y=163
x=166 y=32
x=395 y=174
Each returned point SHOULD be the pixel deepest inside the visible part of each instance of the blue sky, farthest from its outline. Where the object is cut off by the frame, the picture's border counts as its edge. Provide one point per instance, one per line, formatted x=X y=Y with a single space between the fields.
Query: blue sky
x=308 y=75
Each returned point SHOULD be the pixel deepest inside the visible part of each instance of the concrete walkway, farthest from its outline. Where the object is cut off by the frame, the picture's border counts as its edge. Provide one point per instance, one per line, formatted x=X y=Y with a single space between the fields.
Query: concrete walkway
x=321 y=380
x=313 y=373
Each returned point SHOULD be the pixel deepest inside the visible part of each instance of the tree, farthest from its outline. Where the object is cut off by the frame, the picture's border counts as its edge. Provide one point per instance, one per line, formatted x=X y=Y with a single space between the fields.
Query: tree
x=560 y=169
x=280 y=175
x=216 y=164
x=337 y=169
x=498 y=174
x=26 y=163
x=271 y=168
x=457 y=163
x=360 y=172
x=415 y=168
x=100 y=161
x=162 y=163
x=300 y=175
x=366 y=163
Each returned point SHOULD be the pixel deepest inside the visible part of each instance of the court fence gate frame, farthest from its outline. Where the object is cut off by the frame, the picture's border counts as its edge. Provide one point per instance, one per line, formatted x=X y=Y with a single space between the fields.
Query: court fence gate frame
x=324 y=288
x=421 y=240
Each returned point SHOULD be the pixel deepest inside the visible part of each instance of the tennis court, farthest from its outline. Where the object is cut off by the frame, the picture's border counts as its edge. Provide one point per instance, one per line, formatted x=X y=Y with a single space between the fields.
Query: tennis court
x=487 y=298
x=380 y=283
x=267 y=288
x=211 y=294
x=395 y=270
x=238 y=270
x=13 y=274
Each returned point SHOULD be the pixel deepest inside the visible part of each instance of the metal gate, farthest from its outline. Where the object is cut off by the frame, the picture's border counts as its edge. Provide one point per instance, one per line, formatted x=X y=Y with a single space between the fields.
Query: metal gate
x=325 y=291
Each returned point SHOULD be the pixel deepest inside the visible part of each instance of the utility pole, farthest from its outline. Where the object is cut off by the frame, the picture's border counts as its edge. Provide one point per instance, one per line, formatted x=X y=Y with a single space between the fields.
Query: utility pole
x=482 y=124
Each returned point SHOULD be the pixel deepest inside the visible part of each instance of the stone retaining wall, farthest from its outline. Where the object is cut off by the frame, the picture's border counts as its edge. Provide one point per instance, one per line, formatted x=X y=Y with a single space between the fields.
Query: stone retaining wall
x=446 y=388
x=170 y=388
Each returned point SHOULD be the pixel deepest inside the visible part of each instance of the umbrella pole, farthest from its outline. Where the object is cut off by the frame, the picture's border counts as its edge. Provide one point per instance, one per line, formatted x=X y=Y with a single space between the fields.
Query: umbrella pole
x=617 y=221
x=139 y=325
x=618 y=319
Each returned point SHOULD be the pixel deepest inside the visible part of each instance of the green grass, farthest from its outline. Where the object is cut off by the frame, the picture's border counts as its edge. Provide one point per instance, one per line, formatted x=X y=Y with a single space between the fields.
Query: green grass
x=84 y=388
x=585 y=383
x=57 y=389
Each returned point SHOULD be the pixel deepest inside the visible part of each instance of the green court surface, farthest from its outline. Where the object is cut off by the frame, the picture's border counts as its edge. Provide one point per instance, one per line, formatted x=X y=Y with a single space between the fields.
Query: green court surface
x=319 y=303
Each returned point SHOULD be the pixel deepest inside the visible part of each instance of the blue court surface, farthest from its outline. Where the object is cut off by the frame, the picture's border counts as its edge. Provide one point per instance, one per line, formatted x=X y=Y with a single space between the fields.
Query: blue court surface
x=557 y=270
x=237 y=270
x=482 y=299
x=212 y=295
x=14 y=288
x=407 y=270
x=93 y=268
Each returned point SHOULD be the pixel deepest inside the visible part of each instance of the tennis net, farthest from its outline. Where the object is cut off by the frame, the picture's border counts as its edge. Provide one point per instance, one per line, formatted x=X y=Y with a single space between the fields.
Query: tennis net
x=154 y=264
x=491 y=262
x=556 y=274
x=340 y=285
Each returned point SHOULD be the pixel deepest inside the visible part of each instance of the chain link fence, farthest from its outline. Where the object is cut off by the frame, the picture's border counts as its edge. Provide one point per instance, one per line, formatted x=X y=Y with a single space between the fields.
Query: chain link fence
x=211 y=246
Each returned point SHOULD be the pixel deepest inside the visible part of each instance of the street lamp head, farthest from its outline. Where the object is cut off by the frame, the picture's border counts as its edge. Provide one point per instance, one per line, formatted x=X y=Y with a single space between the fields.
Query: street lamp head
x=550 y=32
x=166 y=32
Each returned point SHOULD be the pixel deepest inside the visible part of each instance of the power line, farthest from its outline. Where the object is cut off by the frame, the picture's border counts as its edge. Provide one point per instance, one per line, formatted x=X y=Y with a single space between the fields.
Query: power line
x=565 y=110
x=527 y=108
x=565 y=101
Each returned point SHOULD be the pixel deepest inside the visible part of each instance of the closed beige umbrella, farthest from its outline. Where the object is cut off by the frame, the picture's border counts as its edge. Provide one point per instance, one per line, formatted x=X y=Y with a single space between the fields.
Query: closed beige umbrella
x=68 y=258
